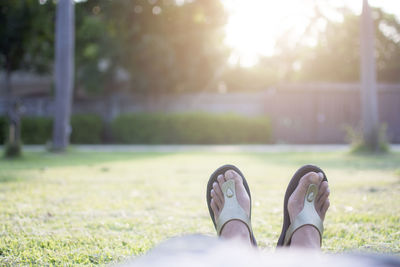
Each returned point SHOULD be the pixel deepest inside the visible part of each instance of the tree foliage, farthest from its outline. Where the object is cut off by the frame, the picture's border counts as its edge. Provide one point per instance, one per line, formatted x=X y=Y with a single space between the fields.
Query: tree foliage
x=26 y=30
x=159 y=46
x=336 y=56
x=25 y=43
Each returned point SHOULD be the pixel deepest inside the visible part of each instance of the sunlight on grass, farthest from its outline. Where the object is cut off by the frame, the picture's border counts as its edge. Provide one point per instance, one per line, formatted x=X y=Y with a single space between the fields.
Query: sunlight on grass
x=96 y=208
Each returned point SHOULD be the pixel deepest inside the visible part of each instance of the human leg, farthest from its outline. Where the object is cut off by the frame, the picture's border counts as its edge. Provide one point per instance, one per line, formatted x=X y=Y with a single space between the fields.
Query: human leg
x=305 y=205
x=234 y=216
x=308 y=236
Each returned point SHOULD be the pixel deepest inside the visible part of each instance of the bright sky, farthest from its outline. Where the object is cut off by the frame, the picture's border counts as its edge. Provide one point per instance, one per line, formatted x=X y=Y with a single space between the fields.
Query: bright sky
x=254 y=25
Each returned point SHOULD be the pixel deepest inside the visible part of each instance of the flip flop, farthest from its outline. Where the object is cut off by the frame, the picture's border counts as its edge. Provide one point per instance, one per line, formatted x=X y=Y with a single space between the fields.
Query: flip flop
x=232 y=209
x=308 y=215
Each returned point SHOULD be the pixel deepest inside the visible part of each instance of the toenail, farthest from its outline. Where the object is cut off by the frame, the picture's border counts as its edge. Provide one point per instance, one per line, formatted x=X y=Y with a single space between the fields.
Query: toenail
x=321 y=175
x=310 y=176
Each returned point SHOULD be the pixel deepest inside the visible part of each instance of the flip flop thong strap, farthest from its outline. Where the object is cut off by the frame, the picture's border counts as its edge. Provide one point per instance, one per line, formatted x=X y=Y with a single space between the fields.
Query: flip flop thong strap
x=232 y=209
x=308 y=215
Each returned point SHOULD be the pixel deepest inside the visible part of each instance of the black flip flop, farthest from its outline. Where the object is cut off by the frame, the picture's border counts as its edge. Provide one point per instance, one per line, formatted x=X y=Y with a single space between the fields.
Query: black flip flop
x=213 y=178
x=290 y=189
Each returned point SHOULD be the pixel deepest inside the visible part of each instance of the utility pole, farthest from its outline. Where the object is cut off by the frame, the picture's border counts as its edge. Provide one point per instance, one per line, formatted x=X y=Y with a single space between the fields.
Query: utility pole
x=64 y=73
x=369 y=102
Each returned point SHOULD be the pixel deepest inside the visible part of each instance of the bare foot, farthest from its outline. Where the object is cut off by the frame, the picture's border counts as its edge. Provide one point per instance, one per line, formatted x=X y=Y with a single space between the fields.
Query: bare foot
x=234 y=228
x=308 y=236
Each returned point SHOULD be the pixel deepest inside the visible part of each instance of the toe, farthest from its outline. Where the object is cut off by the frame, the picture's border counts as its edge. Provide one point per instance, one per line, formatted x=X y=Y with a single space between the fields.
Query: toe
x=306 y=180
x=323 y=194
x=323 y=187
x=214 y=208
x=324 y=208
x=231 y=174
x=221 y=180
x=216 y=197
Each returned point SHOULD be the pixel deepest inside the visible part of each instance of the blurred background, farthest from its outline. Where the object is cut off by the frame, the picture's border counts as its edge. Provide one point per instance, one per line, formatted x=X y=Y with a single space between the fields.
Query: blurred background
x=174 y=71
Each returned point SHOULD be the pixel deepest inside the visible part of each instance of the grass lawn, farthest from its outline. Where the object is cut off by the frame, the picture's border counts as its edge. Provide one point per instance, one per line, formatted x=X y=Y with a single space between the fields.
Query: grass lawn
x=97 y=208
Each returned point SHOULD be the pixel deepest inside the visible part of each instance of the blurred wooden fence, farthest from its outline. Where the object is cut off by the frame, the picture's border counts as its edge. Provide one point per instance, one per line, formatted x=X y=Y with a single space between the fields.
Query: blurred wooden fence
x=302 y=113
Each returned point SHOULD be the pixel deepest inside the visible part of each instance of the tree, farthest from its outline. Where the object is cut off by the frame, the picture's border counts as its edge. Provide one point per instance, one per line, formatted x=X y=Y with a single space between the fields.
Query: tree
x=64 y=73
x=335 y=56
x=387 y=46
x=162 y=46
x=25 y=30
x=369 y=101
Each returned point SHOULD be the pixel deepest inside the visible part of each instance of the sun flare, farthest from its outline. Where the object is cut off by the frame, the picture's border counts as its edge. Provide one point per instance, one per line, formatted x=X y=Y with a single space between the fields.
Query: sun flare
x=254 y=26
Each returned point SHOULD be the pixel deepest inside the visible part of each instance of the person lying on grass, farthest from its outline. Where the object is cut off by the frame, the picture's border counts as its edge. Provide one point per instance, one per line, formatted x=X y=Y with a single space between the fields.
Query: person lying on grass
x=305 y=205
x=228 y=197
